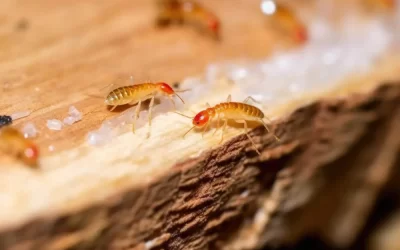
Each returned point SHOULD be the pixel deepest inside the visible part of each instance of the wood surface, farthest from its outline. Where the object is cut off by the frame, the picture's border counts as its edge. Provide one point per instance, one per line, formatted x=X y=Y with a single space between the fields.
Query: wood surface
x=54 y=53
x=73 y=48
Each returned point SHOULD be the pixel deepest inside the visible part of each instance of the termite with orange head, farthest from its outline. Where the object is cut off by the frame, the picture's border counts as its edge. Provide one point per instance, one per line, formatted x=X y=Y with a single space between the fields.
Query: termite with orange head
x=138 y=93
x=14 y=143
x=236 y=111
x=189 y=12
x=200 y=16
x=285 y=20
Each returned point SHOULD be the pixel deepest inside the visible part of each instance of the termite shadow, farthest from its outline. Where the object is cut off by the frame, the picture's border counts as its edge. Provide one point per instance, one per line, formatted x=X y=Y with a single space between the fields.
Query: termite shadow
x=231 y=123
x=122 y=108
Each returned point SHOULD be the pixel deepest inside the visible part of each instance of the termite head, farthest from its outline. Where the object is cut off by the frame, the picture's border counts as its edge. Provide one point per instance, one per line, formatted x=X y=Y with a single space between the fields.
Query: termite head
x=168 y=90
x=30 y=155
x=201 y=119
x=165 y=88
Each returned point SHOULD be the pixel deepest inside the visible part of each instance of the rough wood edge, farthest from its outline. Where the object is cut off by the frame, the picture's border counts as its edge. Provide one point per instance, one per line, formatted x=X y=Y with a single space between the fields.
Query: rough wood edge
x=233 y=188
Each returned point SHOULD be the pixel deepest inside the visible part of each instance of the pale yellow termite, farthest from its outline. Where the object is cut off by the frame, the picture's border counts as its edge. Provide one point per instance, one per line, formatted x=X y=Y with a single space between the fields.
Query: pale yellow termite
x=137 y=93
x=237 y=111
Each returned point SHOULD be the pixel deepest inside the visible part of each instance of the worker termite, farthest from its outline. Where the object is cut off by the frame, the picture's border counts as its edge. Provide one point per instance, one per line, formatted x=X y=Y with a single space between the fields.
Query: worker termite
x=14 y=143
x=5 y=120
x=284 y=20
x=237 y=111
x=138 y=93
x=188 y=12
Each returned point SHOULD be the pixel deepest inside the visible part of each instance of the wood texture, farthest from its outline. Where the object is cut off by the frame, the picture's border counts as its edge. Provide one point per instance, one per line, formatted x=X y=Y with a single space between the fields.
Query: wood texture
x=71 y=49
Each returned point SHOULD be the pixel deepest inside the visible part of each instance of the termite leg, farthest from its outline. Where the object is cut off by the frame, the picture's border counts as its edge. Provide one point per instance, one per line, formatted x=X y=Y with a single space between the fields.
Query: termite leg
x=108 y=86
x=94 y=96
x=223 y=130
x=98 y=96
x=150 y=109
x=218 y=119
x=173 y=102
x=248 y=136
x=136 y=115
x=113 y=107
x=266 y=127
x=133 y=103
x=249 y=98
x=229 y=98
x=205 y=129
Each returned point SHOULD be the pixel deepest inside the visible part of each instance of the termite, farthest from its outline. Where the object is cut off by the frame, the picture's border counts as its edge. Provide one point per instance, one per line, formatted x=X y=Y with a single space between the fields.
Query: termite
x=285 y=20
x=138 y=93
x=14 y=143
x=170 y=11
x=5 y=120
x=381 y=4
x=190 y=12
x=237 y=111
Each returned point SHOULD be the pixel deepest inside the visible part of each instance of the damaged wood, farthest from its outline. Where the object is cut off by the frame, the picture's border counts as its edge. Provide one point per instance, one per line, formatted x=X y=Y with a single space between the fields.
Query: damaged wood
x=335 y=159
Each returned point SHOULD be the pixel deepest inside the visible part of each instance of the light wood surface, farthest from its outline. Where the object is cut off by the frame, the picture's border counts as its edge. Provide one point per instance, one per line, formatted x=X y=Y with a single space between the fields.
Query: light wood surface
x=52 y=54
x=69 y=49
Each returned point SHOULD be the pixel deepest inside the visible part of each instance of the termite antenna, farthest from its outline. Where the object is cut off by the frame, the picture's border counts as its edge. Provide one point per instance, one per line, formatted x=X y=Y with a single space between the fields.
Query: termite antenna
x=182 y=115
x=15 y=117
x=183 y=90
x=188 y=131
x=34 y=111
x=179 y=97
x=94 y=111
x=95 y=96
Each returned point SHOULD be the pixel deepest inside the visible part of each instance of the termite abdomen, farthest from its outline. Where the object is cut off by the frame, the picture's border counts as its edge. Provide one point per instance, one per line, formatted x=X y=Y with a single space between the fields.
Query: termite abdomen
x=5 y=120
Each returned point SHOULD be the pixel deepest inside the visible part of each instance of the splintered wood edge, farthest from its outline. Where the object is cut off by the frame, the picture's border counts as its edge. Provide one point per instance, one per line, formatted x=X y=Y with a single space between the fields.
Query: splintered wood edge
x=134 y=186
